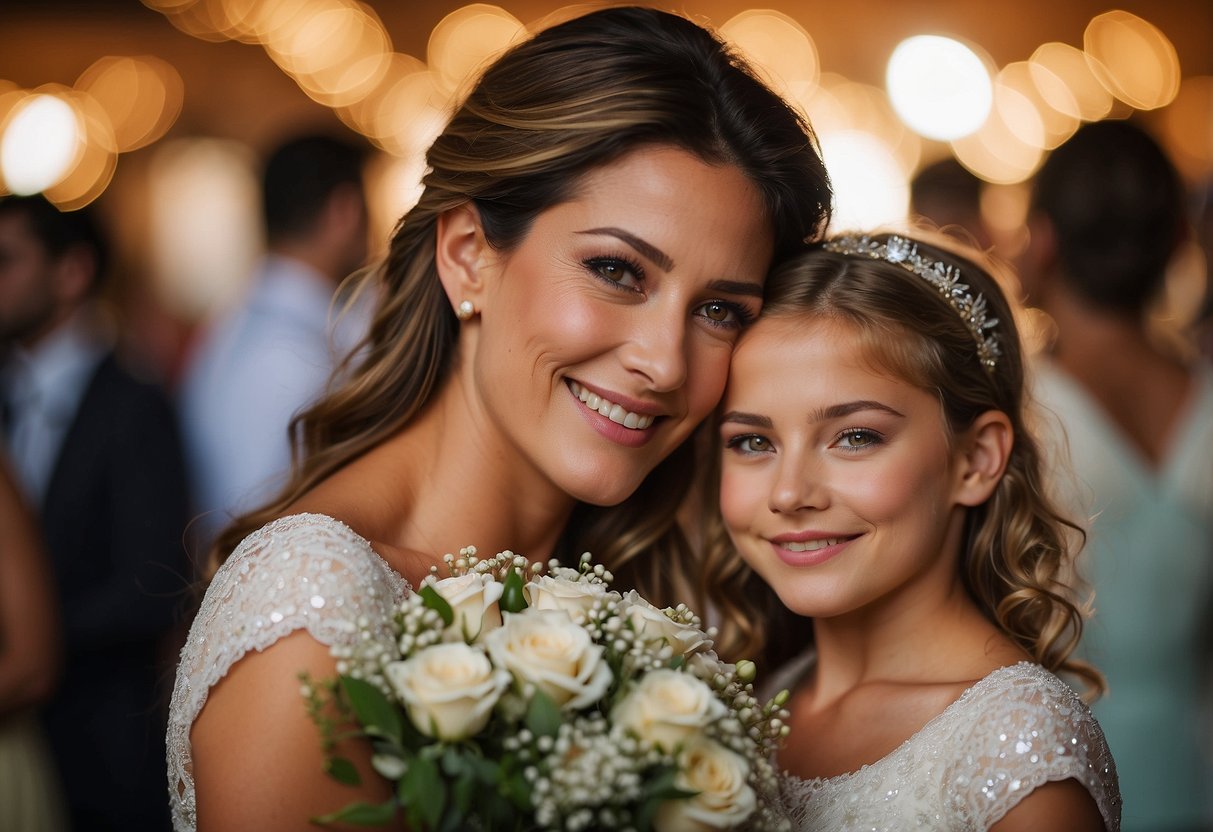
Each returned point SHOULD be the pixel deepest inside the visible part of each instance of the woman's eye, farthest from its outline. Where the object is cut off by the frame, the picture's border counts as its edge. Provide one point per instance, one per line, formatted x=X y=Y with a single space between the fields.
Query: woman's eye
x=750 y=444
x=721 y=313
x=616 y=271
x=858 y=438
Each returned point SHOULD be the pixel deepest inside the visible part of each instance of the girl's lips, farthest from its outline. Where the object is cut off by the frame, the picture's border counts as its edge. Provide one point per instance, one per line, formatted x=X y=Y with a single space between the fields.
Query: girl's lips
x=809 y=550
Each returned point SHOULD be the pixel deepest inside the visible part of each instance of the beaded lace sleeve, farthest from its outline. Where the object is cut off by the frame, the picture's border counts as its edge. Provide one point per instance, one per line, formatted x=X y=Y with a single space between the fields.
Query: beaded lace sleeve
x=1015 y=730
x=306 y=571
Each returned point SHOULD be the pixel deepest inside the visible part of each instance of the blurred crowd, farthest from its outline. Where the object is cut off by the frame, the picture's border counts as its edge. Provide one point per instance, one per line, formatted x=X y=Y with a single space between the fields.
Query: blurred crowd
x=116 y=475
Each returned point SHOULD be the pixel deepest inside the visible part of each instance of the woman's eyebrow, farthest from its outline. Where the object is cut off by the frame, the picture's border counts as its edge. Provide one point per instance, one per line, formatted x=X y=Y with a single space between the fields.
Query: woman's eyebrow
x=650 y=251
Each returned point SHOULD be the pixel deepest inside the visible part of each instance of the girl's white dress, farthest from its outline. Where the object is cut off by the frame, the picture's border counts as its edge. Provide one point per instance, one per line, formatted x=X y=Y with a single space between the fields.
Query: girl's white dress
x=1016 y=729
x=306 y=571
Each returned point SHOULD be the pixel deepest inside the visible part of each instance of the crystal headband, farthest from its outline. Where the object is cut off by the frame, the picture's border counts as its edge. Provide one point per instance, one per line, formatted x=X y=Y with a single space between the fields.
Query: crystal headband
x=945 y=278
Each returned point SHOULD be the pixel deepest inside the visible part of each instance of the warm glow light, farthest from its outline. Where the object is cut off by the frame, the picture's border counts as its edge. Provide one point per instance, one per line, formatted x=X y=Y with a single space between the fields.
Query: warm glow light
x=870 y=188
x=42 y=140
x=1188 y=127
x=939 y=86
x=1044 y=123
x=393 y=187
x=412 y=114
x=777 y=46
x=996 y=154
x=838 y=105
x=1133 y=59
x=204 y=224
x=339 y=55
x=467 y=40
x=1064 y=78
x=365 y=115
x=141 y=96
x=94 y=168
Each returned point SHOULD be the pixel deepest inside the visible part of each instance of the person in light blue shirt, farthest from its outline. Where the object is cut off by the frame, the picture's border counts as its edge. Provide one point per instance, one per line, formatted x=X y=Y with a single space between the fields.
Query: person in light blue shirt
x=261 y=362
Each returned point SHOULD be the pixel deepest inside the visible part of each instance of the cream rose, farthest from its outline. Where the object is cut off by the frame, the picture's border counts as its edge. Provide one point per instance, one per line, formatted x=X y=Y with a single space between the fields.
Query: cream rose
x=473 y=599
x=576 y=598
x=724 y=798
x=653 y=624
x=668 y=708
x=449 y=690
x=550 y=650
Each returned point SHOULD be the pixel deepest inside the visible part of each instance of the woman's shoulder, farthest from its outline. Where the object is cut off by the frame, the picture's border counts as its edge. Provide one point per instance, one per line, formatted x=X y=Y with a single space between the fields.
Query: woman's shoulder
x=309 y=570
x=1017 y=728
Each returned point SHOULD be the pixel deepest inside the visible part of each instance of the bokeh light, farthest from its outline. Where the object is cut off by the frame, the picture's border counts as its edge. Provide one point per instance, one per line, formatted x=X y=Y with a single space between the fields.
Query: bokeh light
x=142 y=97
x=1133 y=59
x=870 y=187
x=939 y=86
x=779 y=48
x=43 y=138
x=469 y=39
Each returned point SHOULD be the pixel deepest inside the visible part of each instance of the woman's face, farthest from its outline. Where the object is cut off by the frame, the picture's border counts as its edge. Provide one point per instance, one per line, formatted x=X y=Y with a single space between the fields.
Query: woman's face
x=605 y=335
x=839 y=484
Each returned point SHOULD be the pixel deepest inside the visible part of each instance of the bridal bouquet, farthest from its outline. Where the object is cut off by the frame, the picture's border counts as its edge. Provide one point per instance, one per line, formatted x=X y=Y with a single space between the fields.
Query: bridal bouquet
x=518 y=697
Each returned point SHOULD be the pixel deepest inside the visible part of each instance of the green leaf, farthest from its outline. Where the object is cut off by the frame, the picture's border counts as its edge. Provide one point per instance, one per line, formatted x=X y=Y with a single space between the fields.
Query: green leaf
x=343 y=771
x=375 y=713
x=423 y=792
x=437 y=603
x=463 y=792
x=361 y=814
x=661 y=786
x=677 y=662
x=513 y=599
x=542 y=715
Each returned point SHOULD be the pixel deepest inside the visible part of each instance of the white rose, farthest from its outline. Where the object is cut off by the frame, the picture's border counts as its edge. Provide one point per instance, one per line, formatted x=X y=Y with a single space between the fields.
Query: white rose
x=548 y=649
x=574 y=597
x=473 y=599
x=724 y=798
x=707 y=666
x=667 y=708
x=449 y=690
x=653 y=624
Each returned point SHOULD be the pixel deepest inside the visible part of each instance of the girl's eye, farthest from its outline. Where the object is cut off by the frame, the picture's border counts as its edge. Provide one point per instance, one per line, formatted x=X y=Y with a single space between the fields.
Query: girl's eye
x=617 y=271
x=750 y=444
x=724 y=314
x=855 y=439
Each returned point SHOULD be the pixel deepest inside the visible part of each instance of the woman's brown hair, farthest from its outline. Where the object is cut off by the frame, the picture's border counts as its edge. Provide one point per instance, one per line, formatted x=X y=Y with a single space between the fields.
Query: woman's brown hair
x=575 y=97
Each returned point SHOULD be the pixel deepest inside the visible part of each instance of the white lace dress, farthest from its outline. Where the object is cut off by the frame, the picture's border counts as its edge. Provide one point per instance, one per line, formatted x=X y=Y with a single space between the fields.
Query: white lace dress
x=1013 y=731
x=306 y=571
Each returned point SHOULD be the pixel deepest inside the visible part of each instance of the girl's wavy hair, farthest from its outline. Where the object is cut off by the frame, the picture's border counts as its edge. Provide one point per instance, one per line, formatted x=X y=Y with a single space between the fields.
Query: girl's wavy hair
x=1018 y=551
x=575 y=97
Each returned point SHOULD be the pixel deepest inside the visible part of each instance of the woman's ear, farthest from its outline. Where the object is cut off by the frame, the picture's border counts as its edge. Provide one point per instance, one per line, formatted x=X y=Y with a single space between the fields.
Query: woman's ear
x=460 y=255
x=983 y=455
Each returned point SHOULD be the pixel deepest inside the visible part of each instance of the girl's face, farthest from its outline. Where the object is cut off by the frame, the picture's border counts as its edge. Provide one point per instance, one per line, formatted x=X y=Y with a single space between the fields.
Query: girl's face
x=839 y=484
x=605 y=336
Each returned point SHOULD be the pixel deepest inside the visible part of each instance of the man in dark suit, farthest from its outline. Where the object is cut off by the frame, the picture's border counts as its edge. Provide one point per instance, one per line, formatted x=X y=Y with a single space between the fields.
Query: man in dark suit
x=97 y=451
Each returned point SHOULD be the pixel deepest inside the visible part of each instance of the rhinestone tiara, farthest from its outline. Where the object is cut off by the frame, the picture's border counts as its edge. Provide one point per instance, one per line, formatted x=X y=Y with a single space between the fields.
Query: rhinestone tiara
x=969 y=305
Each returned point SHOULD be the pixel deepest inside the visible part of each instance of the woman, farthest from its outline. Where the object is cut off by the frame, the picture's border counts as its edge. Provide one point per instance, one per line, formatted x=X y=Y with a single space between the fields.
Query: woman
x=879 y=475
x=558 y=316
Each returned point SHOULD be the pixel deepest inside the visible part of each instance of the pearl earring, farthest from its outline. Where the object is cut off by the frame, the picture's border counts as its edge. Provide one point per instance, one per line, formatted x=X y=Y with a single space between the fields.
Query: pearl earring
x=465 y=311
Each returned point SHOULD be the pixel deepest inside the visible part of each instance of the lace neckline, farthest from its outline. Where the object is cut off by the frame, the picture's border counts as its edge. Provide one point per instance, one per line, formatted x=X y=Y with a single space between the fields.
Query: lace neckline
x=337 y=525
x=987 y=681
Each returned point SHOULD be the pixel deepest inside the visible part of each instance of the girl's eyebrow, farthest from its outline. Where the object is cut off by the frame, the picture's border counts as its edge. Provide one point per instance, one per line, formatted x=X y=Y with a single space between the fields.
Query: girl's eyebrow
x=751 y=419
x=836 y=411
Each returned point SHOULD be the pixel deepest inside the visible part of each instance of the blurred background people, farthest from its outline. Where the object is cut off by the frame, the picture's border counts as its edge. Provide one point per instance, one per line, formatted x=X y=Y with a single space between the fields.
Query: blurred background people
x=30 y=797
x=1107 y=214
x=253 y=368
x=96 y=451
x=948 y=196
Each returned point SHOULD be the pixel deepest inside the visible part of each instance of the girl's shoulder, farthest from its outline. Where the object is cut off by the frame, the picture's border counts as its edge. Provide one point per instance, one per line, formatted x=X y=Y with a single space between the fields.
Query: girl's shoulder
x=1017 y=728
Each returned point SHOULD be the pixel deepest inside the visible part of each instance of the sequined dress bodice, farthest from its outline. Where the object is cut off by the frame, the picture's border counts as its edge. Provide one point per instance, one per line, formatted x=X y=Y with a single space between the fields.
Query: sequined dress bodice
x=1013 y=731
x=306 y=571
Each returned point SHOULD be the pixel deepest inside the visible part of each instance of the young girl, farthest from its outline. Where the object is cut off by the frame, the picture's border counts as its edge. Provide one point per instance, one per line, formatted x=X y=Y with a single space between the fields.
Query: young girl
x=878 y=475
